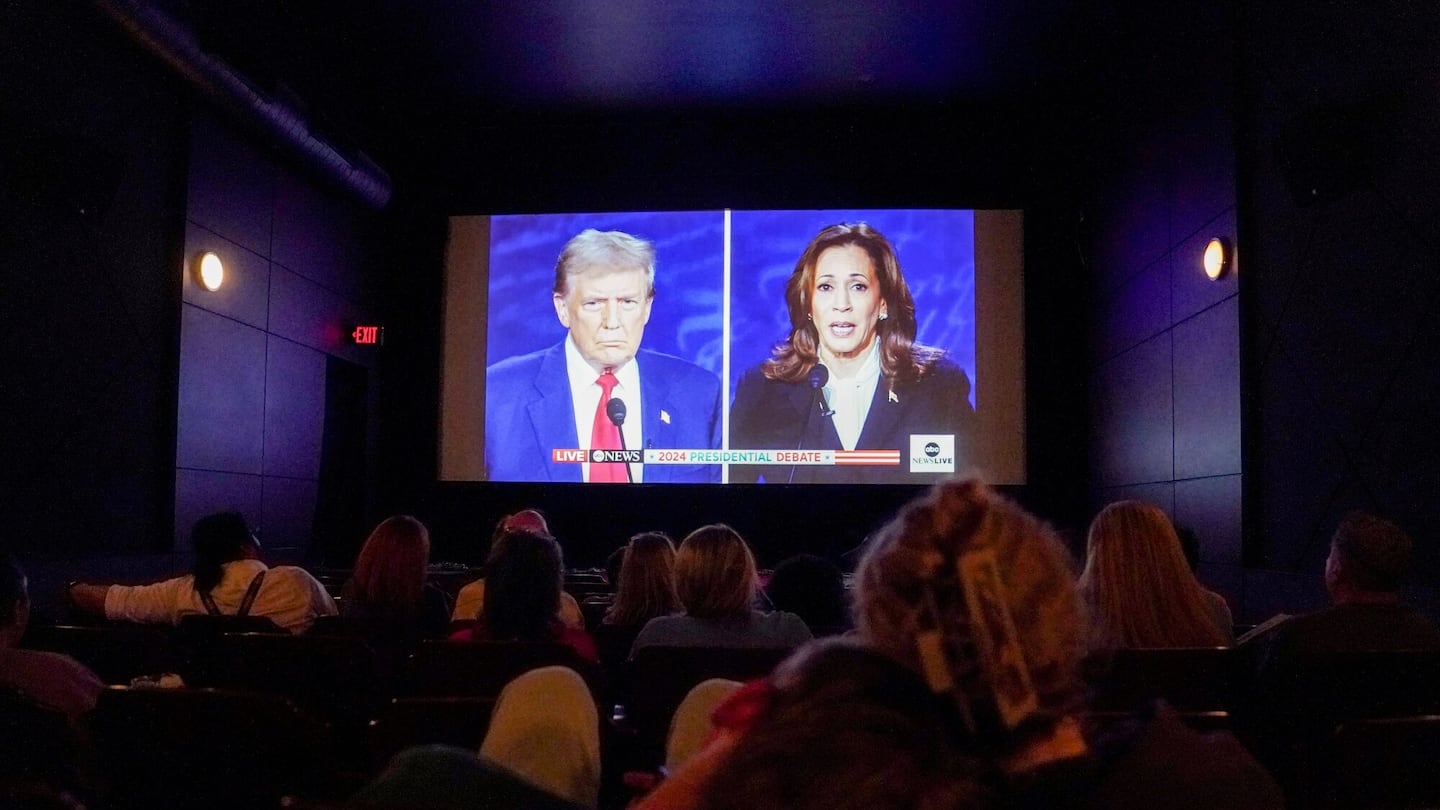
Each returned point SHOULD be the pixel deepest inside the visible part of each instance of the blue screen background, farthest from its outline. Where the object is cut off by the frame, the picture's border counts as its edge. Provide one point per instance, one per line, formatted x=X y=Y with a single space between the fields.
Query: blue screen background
x=936 y=250
x=689 y=281
x=937 y=255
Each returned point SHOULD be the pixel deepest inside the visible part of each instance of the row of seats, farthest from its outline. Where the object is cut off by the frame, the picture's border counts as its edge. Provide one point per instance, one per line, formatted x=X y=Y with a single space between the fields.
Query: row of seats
x=443 y=692
x=336 y=670
x=226 y=748
x=339 y=678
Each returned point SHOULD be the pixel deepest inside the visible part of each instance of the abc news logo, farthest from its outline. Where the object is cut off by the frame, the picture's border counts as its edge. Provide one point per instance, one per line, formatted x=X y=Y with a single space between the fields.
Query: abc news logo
x=616 y=456
x=932 y=453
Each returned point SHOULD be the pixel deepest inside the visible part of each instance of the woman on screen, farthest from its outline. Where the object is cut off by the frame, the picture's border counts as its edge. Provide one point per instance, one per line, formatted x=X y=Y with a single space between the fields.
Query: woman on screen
x=850 y=376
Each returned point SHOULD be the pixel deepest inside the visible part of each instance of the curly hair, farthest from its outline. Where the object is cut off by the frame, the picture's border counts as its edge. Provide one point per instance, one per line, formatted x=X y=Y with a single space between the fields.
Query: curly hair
x=902 y=569
x=846 y=727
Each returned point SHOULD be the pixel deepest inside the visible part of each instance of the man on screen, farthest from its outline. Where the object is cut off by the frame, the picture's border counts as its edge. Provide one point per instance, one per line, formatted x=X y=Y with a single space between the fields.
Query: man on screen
x=572 y=395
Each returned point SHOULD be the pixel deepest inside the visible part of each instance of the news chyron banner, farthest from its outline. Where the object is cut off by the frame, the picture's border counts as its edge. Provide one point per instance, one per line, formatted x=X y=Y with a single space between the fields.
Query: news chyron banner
x=927 y=455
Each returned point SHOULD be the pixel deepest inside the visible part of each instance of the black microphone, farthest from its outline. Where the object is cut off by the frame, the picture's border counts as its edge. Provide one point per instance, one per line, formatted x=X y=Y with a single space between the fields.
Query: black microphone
x=615 y=409
x=819 y=375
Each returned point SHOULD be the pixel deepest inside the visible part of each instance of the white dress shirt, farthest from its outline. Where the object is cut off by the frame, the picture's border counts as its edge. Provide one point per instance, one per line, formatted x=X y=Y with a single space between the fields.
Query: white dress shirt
x=850 y=397
x=585 y=394
x=289 y=596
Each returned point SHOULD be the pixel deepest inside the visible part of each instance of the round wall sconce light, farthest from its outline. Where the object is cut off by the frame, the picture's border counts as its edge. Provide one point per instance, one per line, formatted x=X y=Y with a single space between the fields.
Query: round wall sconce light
x=1217 y=258
x=209 y=271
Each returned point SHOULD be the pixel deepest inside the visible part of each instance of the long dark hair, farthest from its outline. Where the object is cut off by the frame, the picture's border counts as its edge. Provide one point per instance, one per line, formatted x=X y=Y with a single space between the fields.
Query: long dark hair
x=902 y=360
x=220 y=538
x=522 y=588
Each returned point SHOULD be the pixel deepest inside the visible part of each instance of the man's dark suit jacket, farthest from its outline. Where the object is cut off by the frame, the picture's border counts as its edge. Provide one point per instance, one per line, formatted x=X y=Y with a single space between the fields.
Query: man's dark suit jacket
x=775 y=415
x=529 y=412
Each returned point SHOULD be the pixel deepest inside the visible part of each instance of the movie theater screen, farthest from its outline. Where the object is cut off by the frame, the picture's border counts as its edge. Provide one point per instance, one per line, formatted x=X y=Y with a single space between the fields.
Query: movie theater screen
x=791 y=347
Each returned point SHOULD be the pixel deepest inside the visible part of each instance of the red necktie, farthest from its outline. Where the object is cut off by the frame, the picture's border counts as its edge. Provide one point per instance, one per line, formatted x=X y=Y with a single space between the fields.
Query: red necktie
x=605 y=435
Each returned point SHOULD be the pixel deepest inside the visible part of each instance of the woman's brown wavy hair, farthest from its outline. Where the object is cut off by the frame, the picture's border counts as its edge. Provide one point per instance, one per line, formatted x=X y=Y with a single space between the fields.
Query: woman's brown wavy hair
x=902 y=360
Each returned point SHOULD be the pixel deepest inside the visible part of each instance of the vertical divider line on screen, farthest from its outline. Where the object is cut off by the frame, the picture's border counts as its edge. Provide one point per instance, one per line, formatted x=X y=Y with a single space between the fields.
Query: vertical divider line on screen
x=725 y=352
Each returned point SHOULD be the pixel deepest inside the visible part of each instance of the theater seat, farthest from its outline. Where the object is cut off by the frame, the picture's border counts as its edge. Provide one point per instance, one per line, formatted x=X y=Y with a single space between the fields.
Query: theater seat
x=1391 y=762
x=333 y=677
x=117 y=652
x=1191 y=679
x=481 y=669
x=210 y=748
x=403 y=723
x=659 y=678
x=37 y=745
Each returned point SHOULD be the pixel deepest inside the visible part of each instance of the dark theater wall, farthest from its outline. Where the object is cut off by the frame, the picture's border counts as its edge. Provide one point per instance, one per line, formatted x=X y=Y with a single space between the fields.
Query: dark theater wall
x=258 y=356
x=92 y=165
x=1341 y=184
x=1165 y=362
x=134 y=400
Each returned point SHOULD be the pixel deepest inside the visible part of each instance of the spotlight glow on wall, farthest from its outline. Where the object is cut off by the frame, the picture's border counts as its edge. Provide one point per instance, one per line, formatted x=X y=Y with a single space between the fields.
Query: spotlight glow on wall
x=1217 y=258
x=210 y=271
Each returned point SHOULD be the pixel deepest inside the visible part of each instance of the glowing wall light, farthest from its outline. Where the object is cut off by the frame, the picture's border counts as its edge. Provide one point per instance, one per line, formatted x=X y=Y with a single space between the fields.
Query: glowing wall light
x=209 y=271
x=1217 y=258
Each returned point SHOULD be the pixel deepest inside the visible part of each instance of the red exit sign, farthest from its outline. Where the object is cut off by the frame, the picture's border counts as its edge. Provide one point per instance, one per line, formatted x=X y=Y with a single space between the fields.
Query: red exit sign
x=368 y=335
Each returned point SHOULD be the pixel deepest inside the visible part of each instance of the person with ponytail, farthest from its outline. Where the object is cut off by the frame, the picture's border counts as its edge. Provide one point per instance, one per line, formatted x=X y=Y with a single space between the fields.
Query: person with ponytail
x=227 y=578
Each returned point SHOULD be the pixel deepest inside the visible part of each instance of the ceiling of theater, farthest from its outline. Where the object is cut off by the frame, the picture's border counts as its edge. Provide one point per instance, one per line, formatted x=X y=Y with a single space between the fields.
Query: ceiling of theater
x=392 y=74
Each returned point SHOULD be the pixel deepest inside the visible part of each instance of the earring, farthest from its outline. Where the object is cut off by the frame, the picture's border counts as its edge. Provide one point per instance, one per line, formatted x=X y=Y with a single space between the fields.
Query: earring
x=884 y=315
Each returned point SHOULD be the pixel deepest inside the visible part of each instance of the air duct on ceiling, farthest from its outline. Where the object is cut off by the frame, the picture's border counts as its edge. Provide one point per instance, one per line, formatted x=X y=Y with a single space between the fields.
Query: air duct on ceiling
x=176 y=44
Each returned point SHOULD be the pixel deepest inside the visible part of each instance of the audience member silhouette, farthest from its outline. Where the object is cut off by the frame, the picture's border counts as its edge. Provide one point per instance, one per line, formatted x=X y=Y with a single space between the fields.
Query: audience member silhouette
x=228 y=579
x=389 y=587
x=836 y=726
x=812 y=588
x=546 y=729
x=646 y=590
x=715 y=579
x=613 y=563
x=470 y=600
x=1303 y=688
x=1139 y=590
x=522 y=588
x=442 y=777
x=48 y=678
x=1368 y=562
x=977 y=597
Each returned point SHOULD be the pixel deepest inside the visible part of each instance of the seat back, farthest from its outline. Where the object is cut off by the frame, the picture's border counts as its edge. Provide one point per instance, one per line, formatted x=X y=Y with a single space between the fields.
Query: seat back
x=405 y=723
x=199 y=629
x=37 y=744
x=1191 y=679
x=1386 y=763
x=581 y=584
x=333 y=677
x=1334 y=688
x=117 y=652
x=209 y=748
x=1296 y=701
x=659 y=678
x=482 y=668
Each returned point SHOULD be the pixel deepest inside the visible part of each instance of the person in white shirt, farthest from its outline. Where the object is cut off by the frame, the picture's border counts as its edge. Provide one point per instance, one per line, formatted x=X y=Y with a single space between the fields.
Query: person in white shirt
x=229 y=579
